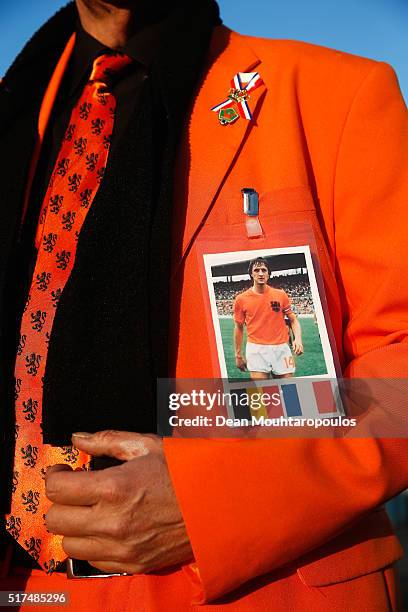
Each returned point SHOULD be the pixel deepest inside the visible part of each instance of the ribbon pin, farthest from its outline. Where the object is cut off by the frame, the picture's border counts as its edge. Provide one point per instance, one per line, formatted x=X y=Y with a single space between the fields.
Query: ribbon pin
x=236 y=105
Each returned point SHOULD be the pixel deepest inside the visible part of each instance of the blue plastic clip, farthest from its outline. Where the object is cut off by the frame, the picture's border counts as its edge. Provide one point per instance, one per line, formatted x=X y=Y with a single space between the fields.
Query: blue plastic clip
x=251 y=210
x=251 y=201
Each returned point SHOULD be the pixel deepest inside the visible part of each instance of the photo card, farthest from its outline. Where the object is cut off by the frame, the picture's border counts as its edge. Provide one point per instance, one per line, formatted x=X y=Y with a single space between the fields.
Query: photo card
x=267 y=315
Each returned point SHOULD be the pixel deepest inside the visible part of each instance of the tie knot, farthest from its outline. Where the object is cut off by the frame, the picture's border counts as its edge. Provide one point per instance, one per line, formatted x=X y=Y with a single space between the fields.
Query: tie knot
x=106 y=67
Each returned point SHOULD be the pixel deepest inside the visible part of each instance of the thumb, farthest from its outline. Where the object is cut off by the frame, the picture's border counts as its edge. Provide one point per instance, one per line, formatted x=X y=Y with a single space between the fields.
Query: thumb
x=122 y=445
x=57 y=467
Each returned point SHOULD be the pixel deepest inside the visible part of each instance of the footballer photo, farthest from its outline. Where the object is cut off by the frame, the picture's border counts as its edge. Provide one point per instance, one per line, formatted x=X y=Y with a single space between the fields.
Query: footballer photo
x=267 y=315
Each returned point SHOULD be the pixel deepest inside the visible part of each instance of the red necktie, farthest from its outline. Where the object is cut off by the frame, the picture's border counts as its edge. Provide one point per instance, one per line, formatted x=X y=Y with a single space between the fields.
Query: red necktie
x=75 y=180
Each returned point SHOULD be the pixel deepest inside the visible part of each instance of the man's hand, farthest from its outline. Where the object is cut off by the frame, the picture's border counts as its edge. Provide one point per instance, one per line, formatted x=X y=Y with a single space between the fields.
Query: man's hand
x=240 y=363
x=124 y=518
x=297 y=346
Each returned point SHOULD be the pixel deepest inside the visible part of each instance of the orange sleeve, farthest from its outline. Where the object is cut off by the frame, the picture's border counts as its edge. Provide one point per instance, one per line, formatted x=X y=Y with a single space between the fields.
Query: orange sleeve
x=249 y=518
x=239 y=316
x=286 y=304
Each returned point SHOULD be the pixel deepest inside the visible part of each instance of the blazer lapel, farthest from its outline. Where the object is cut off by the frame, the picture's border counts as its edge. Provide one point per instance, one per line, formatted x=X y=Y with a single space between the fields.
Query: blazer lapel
x=45 y=114
x=212 y=148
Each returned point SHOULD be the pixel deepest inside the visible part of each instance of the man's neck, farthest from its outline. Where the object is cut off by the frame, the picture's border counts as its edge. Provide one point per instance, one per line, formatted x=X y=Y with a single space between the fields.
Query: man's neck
x=259 y=288
x=109 y=24
x=113 y=22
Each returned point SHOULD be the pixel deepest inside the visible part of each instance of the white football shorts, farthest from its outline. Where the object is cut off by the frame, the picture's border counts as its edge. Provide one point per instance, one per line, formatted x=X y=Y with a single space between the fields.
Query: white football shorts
x=275 y=358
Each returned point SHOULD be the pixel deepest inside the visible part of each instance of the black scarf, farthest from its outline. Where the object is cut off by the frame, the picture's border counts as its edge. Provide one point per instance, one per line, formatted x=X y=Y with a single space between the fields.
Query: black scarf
x=110 y=336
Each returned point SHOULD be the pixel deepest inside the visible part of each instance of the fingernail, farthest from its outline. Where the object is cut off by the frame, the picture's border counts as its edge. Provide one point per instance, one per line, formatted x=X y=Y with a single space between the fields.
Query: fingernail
x=82 y=434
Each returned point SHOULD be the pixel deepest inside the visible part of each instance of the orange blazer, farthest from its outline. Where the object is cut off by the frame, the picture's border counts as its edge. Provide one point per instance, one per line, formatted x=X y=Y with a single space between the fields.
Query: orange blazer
x=328 y=144
x=290 y=524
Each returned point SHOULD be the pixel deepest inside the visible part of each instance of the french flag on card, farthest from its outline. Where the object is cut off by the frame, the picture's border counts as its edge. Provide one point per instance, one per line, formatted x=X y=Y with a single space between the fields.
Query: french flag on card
x=309 y=398
x=297 y=398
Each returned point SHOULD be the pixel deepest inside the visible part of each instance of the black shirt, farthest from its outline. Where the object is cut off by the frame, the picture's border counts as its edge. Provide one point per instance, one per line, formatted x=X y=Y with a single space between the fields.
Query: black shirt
x=143 y=47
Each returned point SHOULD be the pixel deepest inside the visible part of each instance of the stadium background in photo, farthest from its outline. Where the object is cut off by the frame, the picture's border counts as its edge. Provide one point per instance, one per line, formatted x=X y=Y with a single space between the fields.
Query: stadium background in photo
x=297 y=286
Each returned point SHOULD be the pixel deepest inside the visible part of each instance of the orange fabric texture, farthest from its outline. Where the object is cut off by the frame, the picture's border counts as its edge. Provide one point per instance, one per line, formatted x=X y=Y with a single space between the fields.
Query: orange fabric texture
x=171 y=592
x=77 y=174
x=328 y=145
x=263 y=314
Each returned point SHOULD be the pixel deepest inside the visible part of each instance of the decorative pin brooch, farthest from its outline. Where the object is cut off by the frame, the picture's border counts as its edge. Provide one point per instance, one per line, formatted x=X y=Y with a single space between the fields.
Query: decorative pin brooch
x=236 y=105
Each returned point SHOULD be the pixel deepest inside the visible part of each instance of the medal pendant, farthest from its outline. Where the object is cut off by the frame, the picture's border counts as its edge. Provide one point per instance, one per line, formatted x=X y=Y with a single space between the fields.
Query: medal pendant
x=227 y=115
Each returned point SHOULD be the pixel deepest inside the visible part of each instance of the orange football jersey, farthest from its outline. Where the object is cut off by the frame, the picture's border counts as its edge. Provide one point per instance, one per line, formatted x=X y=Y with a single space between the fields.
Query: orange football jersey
x=263 y=314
